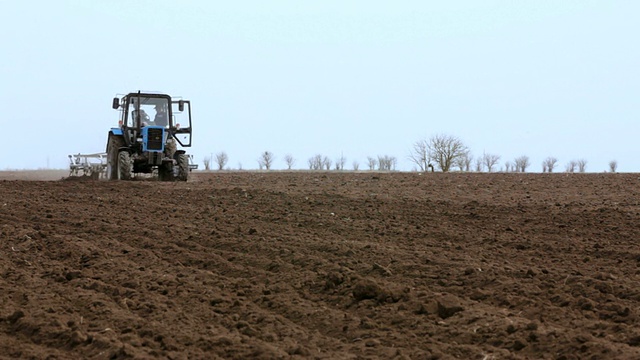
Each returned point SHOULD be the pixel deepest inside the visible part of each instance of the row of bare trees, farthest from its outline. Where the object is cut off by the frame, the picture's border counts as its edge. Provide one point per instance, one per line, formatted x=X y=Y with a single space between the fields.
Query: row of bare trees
x=316 y=162
x=220 y=159
x=441 y=152
x=382 y=163
x=446 y=151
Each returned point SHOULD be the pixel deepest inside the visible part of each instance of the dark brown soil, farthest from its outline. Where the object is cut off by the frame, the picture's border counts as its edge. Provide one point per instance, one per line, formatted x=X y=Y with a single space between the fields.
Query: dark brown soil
x=322 y=265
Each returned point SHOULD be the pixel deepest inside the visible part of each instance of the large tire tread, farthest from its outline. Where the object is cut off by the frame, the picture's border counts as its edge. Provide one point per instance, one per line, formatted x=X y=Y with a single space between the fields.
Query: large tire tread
x=114 y=144
x=183 y=167
x=124 y=166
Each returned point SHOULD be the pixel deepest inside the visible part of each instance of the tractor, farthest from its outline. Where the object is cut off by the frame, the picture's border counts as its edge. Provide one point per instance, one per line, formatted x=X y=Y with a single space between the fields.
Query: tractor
x=145 y=145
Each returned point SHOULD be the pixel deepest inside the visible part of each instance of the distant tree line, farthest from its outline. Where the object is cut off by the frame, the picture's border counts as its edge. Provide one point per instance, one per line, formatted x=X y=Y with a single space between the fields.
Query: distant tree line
x=440 y=152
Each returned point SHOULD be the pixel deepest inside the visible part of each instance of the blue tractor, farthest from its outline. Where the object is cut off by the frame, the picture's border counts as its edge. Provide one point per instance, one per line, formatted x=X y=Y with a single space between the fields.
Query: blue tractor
x=151 y=126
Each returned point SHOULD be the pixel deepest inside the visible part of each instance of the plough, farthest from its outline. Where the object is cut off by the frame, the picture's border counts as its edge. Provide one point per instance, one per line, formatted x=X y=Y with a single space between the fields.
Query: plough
x=93 y=165
x=192 y=164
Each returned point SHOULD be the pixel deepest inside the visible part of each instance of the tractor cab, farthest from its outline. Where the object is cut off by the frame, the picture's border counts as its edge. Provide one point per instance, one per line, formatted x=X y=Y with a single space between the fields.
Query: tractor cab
x=150 y=128
x=138 y=111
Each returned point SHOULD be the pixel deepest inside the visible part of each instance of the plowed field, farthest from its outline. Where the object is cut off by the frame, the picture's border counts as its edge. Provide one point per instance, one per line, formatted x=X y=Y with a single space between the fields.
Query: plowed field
x=296 y=265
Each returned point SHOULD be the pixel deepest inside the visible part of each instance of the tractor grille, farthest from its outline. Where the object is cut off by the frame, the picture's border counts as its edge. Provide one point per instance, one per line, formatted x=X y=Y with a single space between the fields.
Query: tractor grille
x=154 y=140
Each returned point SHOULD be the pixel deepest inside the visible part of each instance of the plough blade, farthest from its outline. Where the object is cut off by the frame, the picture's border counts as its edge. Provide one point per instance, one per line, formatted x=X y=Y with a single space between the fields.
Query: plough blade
x=93 y=165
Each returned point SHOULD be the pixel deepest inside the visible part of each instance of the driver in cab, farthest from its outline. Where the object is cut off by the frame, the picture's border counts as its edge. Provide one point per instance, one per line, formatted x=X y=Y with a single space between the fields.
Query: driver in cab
x=161 y=119
x=143 y=118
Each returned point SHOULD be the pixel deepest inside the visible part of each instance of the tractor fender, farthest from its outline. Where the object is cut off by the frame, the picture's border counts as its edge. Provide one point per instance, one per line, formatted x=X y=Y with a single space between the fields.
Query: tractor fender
x=113 y=131
x=178 y=152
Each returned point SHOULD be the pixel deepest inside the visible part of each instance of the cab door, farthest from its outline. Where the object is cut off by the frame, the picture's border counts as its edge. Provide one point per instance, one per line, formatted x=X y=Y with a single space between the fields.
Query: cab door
x=181 y=121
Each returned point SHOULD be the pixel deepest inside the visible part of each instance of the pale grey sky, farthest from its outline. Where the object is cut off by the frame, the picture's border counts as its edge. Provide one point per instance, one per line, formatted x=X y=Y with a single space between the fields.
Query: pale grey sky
x=360 y=78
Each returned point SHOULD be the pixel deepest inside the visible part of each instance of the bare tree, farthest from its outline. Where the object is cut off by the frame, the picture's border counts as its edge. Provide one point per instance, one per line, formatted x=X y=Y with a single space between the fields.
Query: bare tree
x=266 y=160
x=467 y=161
x=386 y=163
x=571 y=166
x=479 y=165
x=382 y=163
x=290 y=161
x=371 y=163
x=340 y=162
x=459 y=163
x=420 y=154
x=508 y=166
x=521 y=163
x=463 y=162
x=582 y=165
x=207 y=163
x=549 y=164
x=613 y=166
x=221 y=160
x=315 y=162
x=355 y=165
x=326 y=162
x=443 y=150
x=490 y=160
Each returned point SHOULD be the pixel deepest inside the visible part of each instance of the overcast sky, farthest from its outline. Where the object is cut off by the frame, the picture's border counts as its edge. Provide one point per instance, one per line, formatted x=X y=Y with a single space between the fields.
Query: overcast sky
x=359 y=78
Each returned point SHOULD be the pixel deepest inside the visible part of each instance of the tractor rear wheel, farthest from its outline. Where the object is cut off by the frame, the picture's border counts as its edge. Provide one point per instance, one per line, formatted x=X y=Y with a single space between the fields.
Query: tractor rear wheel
x=114 y=144
x=124 y=165
x=183 y=167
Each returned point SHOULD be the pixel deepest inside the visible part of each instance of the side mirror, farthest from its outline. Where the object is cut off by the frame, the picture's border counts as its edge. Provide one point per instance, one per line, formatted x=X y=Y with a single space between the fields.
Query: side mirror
x=181 y=105
x=116 y=103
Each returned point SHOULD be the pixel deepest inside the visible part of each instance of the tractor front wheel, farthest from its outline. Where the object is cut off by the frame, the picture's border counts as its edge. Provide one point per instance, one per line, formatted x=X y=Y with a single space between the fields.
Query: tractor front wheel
x=183 y=167
x=165 y=171
x=124 y=165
